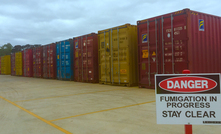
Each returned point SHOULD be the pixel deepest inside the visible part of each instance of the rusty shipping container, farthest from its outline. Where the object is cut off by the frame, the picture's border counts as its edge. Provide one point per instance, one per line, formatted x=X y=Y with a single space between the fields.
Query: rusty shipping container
x=49 y=61
x=194 y=43
x=38 y=62
x=0 y=64
x=13 y=64
x=6 y=64
x=18 y=63
x=118 y=55
x=28 y=63
x=86 y=58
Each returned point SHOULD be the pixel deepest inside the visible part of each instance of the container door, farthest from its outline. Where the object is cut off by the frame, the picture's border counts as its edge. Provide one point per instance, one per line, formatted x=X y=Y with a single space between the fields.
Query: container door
x=174 y=48
x=149 y=52
x=66 y=60
x=105 y=57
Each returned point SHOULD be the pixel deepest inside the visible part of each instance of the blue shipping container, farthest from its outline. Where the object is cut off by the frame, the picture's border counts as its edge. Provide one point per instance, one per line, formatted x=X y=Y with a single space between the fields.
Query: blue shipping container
x=65 y=62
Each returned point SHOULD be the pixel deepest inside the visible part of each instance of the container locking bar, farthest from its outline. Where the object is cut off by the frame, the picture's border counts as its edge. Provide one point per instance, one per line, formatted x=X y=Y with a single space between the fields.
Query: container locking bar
x=172 y=43
x=148 y=40
x=162 y=20
x=118 y=54
x=112 y=64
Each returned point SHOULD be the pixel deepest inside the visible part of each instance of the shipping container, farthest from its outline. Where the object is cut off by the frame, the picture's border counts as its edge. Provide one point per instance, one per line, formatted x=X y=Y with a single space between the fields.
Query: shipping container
x=6 y=64
x=0 y=64
x=18 y=63
x=194 y=43
x=13 y=64
x=28 y=63
x=49 y=61
x=38 y=62
x=118 y=55
x=86 y=58
x=65 y=62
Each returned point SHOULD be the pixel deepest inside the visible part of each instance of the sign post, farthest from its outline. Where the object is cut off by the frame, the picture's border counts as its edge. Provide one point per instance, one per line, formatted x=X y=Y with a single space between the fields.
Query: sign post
x=188 y=99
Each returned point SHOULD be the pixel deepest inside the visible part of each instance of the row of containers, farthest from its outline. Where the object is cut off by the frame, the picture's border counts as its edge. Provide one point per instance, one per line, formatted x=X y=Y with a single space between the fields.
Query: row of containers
x=128 y=55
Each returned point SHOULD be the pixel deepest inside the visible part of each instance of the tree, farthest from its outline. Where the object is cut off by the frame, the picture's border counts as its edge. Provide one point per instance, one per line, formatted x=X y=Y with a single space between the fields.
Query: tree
x=6 y=49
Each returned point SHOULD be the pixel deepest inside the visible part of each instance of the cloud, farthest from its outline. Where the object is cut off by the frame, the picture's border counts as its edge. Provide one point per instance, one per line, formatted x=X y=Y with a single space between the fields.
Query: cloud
x=42 y=22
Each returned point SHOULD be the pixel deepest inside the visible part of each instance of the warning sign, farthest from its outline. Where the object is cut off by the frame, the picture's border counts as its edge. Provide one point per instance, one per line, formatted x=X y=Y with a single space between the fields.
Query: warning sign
x=145 y=53
x=123 y=71
x=188 y=99
x=153 y=54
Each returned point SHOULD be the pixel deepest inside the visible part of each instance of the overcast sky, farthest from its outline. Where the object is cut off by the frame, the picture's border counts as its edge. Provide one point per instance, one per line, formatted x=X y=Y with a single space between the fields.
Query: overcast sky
x=46 y=21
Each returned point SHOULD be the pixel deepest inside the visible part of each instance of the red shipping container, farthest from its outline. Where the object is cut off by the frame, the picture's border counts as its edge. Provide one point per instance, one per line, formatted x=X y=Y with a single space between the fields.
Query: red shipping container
x=13 y=64
x=38 y=62
x=28 y=63
x=0 y=65
x=194 y=43
x=49 y=61
x=86 y=58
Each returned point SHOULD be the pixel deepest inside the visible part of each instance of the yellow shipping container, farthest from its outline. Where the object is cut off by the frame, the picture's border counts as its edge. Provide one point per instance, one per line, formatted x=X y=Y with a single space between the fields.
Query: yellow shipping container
x=18 y=63
x=118 y=55
x=6 y=64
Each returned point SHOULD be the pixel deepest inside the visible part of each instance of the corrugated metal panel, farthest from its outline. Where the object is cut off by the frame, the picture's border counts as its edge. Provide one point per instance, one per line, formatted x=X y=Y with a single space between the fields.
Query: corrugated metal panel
x=86 y=58
x=38 y=62
x=6 y=64
x=49 y=61
x=193 y=44
x=18 y=63
x=13 y=64
x=0 y=64
x=64 y=50
x=118 y=56
x=28 y=63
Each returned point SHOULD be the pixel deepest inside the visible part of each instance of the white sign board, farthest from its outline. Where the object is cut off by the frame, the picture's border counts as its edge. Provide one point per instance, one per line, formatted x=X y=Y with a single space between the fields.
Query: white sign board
x=188 y=99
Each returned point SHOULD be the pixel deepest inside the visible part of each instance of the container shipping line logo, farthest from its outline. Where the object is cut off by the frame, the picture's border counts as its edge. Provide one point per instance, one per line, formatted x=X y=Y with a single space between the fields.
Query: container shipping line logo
x=184 y=99
x=201 y=25
x=144 y=38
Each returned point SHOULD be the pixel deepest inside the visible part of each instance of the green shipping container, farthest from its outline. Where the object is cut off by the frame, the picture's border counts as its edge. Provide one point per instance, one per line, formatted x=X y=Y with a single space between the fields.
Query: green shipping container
x=6 y=64
x=118 y=56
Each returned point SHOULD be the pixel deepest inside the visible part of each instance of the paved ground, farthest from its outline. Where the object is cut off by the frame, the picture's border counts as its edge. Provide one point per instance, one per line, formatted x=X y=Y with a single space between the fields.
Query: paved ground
x=33 y=106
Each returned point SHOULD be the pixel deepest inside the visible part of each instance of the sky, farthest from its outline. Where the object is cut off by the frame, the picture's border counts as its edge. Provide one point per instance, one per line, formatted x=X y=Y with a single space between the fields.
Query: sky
x=47 y=21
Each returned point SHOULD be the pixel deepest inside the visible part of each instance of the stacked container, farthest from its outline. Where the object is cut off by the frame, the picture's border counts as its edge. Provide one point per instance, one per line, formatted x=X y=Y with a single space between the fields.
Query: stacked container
x=28 y=63
x=193 y=43
x=18 y=63
x=0 y=64
x=13 y=64
x=38 y=62
x=65 y=63
x=49 y=61
x=118 y=55
x=86 y=58
x=6 y=64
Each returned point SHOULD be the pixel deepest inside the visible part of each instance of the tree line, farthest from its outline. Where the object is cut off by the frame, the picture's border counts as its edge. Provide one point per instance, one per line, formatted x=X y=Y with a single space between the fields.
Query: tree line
x=6 y=49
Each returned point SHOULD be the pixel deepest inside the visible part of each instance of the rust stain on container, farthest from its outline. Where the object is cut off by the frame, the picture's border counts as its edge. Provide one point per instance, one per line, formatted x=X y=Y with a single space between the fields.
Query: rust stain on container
x=176 y=41
x=86 y=58
x=118 y=55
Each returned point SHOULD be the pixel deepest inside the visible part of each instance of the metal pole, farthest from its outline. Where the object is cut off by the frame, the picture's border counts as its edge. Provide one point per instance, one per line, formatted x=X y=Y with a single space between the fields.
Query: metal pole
x=188 y=127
